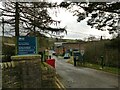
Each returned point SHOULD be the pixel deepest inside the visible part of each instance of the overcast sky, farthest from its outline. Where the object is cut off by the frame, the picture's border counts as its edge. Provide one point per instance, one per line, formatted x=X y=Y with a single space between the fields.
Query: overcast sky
x=75 y=30
x=78 y=30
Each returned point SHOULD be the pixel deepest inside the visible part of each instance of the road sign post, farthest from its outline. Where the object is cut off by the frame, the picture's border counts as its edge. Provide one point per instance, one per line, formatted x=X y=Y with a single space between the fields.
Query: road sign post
x=102 y=64
x=26 y=45
x=82 y=55
x=82 y=52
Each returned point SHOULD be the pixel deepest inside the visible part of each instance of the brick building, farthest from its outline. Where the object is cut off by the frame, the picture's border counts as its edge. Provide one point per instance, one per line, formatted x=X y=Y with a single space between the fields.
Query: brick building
x=64 y=46
x=71 y=45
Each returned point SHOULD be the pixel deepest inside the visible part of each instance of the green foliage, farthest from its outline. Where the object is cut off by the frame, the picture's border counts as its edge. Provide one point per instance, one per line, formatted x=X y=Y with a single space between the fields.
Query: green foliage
x=10 y=40
x=94 y=51
x=115 y=43
x=103 y=15
x=113 y=70
x=8 y=50
x=106 y=69
x=43 y=42
x=32 y=16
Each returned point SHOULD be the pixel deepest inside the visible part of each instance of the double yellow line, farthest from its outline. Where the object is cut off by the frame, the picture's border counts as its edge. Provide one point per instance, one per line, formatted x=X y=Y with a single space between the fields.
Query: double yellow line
x=59 y=84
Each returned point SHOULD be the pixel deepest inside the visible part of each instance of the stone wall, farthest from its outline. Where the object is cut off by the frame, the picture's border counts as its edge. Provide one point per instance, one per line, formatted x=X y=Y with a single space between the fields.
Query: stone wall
x=24 y=74
x=48 y=76
x=27 y=73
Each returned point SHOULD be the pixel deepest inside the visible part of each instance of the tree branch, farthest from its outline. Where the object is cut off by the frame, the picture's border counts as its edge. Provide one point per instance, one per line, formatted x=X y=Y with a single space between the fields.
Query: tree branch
x=7 y=10
x=8 y=15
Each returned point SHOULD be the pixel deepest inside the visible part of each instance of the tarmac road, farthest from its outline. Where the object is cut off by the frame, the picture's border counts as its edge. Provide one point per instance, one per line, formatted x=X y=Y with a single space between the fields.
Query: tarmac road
x=81 y=77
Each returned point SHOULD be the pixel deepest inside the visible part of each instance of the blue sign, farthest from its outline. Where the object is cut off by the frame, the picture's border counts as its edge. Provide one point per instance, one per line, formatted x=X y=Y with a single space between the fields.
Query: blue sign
x=27 y=45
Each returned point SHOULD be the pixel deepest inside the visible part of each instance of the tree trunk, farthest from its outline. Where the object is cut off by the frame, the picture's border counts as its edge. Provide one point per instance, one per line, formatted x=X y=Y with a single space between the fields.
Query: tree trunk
x=17 y=20
x=3 y=27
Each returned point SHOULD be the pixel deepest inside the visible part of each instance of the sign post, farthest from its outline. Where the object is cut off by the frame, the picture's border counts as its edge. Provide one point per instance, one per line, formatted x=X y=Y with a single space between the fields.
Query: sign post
x=26 y=45
x=82 y=54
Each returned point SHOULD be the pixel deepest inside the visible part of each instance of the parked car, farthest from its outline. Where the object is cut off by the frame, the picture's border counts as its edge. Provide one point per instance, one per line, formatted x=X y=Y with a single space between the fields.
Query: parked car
x=66 y=56
x=53 y=53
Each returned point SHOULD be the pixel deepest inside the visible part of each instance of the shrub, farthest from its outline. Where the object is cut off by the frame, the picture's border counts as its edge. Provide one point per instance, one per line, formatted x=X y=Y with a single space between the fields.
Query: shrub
x=94 y=50
x=7 y=52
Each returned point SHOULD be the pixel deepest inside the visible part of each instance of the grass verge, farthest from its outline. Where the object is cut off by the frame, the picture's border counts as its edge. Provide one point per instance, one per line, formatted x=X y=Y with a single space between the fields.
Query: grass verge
x=112 y=70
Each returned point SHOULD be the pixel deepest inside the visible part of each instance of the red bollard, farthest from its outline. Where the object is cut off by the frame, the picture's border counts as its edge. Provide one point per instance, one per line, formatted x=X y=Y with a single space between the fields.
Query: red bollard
x=51 y=62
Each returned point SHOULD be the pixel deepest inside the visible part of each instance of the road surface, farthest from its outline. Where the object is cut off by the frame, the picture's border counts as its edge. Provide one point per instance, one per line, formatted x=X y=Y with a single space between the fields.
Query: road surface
x=81 y=77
